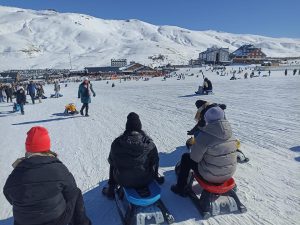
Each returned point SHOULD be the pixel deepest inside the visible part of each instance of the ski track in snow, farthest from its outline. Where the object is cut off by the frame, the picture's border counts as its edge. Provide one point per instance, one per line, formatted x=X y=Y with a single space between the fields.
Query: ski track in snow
x=264 y=113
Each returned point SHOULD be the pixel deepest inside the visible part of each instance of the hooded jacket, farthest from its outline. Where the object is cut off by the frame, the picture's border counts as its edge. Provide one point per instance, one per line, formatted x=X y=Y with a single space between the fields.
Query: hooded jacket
x=215 y=152
x=84 y=92
x=134 y=158
x=39 y=189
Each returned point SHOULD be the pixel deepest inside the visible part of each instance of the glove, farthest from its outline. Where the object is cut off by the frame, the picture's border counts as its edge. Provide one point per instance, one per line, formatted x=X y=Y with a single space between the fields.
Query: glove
x=78 y=97
x=94 y=95
x=190 y=132
x=222 y=106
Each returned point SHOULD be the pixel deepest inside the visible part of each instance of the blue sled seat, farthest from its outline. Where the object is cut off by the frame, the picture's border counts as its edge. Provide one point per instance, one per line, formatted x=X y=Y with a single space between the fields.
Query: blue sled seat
x=134 y=198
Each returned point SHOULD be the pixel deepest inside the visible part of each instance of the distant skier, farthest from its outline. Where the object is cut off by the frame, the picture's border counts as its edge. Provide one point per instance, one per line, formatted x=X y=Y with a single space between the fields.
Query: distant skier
x=269 y=73
x=213 y=156
x=21 y=99
x=207 y=85
x=31 y=88
x=41 y=189
x=84 y=92
x=133 y=158
x=285 y=72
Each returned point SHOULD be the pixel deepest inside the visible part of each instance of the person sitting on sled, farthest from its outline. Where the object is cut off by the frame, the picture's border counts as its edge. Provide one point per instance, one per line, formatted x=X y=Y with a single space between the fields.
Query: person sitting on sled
x=207 y=86
x=213 y=156
x=41 y=188
x=133 y=159
x=71 y=109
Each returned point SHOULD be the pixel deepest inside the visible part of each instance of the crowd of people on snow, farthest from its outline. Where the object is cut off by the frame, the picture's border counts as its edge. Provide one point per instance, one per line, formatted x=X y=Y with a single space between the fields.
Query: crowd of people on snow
x=20 y=90
x=133 y=159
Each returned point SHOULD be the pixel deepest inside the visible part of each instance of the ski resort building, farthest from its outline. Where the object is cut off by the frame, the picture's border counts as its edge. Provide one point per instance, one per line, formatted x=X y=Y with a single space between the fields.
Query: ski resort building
x=9 y=77
x=248 y=54
x=137 y=69
x=118 y=62
x=215 y=55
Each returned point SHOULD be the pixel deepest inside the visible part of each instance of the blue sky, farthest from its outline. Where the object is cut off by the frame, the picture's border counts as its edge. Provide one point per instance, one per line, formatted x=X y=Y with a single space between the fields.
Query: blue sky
x=275 y=18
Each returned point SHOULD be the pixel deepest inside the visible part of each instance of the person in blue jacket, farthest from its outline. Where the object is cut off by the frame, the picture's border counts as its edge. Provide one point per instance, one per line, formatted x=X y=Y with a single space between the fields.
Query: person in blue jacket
x=31 y=91
x=84 y=93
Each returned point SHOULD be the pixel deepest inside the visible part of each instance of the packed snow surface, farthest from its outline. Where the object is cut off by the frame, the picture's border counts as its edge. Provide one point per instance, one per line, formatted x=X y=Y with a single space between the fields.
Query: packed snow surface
x=264 y=113
x=48 y=39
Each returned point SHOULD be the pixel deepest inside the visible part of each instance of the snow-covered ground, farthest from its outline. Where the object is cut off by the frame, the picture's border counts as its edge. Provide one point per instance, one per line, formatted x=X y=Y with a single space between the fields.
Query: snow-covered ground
x=264 y=113
x=44 y=39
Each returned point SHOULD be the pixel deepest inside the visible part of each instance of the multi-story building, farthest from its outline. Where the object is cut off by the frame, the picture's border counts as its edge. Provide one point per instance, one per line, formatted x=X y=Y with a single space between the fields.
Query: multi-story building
x=118 y=62
x=215 y=55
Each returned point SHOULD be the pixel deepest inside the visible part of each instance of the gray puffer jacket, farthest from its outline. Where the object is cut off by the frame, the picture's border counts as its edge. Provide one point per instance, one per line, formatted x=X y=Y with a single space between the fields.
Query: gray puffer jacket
x=215 y=152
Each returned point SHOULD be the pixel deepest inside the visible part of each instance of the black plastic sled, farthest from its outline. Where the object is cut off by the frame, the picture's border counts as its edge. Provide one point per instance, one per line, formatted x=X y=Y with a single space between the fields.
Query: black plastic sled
x=212 y=200
x=142 y=206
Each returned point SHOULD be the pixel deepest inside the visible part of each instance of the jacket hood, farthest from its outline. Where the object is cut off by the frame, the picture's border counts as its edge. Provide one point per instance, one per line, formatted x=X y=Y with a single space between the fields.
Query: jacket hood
x=136 y=142
x=220 y=129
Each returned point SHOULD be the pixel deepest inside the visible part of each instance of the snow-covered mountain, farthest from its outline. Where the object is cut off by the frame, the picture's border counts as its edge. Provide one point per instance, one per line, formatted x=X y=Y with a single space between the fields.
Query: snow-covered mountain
x=48 y=39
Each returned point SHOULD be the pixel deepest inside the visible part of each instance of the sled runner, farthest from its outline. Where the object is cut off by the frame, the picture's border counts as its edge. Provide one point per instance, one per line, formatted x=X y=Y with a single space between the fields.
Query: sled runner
x=213 y=199
x=142 y=206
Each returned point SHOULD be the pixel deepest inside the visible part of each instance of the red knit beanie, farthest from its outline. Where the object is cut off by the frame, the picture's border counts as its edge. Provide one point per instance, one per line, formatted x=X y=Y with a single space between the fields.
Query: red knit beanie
x=37 y=140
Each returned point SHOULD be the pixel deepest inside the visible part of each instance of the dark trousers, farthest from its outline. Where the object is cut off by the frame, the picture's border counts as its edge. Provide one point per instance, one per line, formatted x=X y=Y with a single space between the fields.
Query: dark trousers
x=112 y=181
x=9 y=98
x=32 y=98
x=186 y=164
x=73 y=215
x=86 y=107
x=22 y=107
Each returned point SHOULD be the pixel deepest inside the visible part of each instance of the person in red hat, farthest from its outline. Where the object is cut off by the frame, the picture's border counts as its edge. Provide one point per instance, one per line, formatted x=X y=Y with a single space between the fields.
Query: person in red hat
x=41 y=189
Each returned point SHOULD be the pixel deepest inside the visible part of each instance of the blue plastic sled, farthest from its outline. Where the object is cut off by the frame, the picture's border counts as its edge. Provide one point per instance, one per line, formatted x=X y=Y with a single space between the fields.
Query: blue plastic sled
x=134 y=198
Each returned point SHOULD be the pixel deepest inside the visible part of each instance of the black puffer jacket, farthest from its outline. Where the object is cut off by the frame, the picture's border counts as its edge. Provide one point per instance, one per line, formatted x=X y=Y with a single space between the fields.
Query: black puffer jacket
x=39 y=189
x=20 y=97
x=134 y=158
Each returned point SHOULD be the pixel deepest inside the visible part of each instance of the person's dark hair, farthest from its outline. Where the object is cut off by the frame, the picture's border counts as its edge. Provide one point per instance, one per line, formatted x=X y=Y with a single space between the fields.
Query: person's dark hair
x=199 y=103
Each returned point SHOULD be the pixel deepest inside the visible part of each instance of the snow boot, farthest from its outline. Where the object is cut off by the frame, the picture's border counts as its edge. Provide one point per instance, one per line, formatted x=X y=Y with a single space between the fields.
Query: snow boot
x=178 y=191
x=160 y=179
x=81 y=112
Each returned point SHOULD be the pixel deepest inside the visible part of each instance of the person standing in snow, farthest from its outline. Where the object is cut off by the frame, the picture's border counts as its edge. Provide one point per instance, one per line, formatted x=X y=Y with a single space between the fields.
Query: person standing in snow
x=41 y=189
x=84 y=93
x=40 y=92
x=21 y=98
x=133 y=158
x=31 y=91
x=285 y=72
x=213 y=157
x=1 y=93
x=56 y=89
x=9 y=93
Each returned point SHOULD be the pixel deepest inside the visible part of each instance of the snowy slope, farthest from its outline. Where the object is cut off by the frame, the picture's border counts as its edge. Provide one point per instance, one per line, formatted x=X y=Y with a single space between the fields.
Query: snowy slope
x=264 y=113
x=44 y=39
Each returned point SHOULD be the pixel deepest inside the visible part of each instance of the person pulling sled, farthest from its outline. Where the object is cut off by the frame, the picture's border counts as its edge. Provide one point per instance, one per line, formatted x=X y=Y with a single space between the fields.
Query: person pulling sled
x=133 y=176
